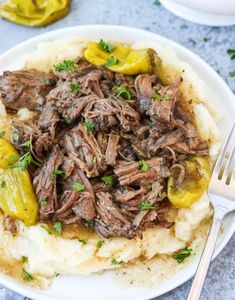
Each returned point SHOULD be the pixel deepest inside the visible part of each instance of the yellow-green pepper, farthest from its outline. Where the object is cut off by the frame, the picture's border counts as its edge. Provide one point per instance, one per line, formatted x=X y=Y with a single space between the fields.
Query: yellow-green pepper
x=17 y=198
x=194 y=184
x=34 y=12
x=125 y=59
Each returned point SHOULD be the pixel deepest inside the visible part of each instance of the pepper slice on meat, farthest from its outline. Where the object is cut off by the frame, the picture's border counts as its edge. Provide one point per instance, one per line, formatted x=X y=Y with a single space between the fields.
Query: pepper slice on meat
x=194 y=184
x=125 y=59
x=17 y=196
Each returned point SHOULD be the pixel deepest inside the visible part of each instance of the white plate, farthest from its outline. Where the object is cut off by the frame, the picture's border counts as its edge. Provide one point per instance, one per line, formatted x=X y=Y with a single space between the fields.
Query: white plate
x=198 y=16
x=102 y=287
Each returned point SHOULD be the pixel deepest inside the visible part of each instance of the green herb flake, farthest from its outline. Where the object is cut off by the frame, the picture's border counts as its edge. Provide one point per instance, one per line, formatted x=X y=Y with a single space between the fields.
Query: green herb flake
x=99 y=244
x=90 y=223
x=107 y=47
x=25 y=144
x=43 y=202
x=57 y=274
x=25 y=161
x=122 y=92
x=107 y=179
x=116 y=262
x=23 y=259
x=47 y=228
x=231 y=53
x=83 y=241
x=143 y=166
x=57 y=172
x=66 y=65
x=2 y=133
x=27 y=276
x=182 y=254
x=145 y=206
x=78 y=187
x=159 y=97
x=57 y=227
x=232 y=74
x=15 y=137
x=112 y=61
x=68 y=121
x=157 y=2
x=2 y=183
x=75 y=88
x=89 y=126
x=205 y=39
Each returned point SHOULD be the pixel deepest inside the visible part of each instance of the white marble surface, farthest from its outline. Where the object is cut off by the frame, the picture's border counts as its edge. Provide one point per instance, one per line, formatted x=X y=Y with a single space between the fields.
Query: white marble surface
x=220 y=283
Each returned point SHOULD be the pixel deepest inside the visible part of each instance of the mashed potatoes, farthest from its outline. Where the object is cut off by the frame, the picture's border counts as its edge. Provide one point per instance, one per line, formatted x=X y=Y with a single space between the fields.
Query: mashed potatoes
x=76 y=256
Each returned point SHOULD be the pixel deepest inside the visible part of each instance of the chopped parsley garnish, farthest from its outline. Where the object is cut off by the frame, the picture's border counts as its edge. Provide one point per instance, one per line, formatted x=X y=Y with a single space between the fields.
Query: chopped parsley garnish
x=116 y=262
x=182 y=254
x=25 y=161
x=15 y=137
x=122 y=92
x=47 y=228
x=89 y=126
x=145 y=206
x=231 y=53
x=57 y=227
x=43 y=202
x=57 y=274
x=157 y=2
x=107 y=47
x=66 y=65
x=232 y=74
x=25 y=144
x=143 y=165
x=27 y=275
x=57 y=172
x=2 y=133
x=83 y=241
x=90 y=223
x=23 y=259
x=68 y=121
x=159 y=97
x=2 y=183
x=112 y=61
x=205 y=39
x=107 y=179
x=75 y=88
x=99 y=244
x=78 y=187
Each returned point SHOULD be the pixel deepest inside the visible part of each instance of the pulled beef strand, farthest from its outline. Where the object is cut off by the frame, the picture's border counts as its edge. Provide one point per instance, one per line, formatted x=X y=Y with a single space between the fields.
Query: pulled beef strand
x=25 y=89
x=95 y=140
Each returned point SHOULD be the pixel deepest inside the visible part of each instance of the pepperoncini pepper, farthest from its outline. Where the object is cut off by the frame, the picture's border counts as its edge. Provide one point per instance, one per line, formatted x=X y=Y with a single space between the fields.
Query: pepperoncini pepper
x=125 y=60
x=34 y=12
x=195 y=182
x=17 y=198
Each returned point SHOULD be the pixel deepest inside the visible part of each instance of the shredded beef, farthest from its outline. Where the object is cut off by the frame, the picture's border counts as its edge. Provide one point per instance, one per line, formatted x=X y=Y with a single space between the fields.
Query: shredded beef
x=91 y=144
x=25 y=89
x=45 y=183
x=110 y=221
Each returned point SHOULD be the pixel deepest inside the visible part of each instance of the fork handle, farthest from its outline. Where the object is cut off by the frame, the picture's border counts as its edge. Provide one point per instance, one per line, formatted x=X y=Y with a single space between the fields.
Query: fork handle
x=201 y=272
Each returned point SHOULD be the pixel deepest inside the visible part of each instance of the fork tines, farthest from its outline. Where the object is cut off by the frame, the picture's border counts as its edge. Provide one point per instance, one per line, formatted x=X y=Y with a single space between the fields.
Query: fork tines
x=225 y=166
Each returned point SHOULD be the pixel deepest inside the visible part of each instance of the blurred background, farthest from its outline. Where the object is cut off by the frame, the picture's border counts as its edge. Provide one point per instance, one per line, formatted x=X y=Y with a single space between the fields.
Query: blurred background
x=210 y=43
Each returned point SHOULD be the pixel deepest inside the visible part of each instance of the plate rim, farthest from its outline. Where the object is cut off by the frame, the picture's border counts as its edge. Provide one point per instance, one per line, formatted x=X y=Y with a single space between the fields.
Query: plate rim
x=33 y=293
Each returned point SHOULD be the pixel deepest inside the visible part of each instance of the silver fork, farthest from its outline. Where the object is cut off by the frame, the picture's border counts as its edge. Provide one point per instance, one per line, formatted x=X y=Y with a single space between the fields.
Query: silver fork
x=221 y=193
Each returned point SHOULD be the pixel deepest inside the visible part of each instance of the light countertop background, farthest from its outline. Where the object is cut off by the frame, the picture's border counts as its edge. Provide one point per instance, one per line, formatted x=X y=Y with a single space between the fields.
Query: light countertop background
x=210 y=43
